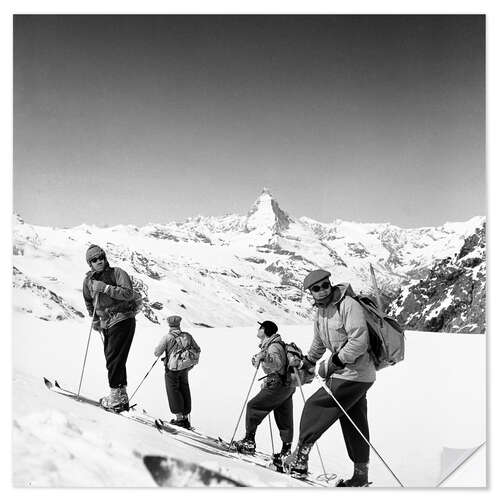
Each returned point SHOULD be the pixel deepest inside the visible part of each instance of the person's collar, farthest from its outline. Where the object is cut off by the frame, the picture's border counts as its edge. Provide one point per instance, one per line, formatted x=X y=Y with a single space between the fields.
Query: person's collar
x=334 y=296
x=97 y=274
x=325 y=301
x=269 y=340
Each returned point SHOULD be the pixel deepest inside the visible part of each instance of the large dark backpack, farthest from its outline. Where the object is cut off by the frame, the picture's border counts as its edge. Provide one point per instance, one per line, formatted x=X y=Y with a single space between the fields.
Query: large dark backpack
x=387 y=339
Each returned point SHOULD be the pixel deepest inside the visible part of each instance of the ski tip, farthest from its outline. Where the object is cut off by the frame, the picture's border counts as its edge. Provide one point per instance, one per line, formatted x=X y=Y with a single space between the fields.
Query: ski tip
x=47 y=383
x=56 y=383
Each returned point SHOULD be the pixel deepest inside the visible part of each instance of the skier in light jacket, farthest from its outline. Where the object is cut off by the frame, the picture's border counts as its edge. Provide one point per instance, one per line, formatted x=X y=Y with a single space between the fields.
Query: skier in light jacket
x=339 y=327
x=109 y=290
x=275 y=395
x=176 y=370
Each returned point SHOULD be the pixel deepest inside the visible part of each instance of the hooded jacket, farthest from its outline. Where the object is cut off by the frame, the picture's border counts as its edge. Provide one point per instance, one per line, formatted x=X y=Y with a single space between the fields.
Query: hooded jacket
x=340 y=327
x=114 y=305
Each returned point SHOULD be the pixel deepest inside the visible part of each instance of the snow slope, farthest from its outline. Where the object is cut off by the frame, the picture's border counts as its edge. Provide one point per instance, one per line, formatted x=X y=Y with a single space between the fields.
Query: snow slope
x=435 y=399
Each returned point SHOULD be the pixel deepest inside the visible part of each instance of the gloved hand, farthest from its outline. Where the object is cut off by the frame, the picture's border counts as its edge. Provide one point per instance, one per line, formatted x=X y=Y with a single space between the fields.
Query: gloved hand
x=305 y=371
x=96 y=325
x=103 y=314
x=329 y=366
x=307 y=365
x=259 y=357
x=294 y=361
x=98 y=286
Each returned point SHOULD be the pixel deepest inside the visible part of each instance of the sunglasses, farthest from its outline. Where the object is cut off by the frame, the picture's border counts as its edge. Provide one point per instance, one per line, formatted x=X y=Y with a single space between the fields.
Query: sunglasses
x=97 y=259
x=324 y=286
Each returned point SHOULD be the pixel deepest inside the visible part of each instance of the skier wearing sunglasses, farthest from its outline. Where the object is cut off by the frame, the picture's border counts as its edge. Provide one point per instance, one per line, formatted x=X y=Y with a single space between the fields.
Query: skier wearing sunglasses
x=349 y=372
x=109 y=298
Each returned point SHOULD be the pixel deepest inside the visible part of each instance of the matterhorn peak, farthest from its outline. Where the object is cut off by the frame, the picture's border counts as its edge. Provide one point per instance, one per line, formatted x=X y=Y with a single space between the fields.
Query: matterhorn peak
x=267 y=215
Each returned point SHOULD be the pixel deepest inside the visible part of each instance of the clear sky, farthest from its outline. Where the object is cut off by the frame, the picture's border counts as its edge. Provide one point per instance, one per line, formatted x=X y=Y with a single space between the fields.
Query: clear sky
x=140 y=119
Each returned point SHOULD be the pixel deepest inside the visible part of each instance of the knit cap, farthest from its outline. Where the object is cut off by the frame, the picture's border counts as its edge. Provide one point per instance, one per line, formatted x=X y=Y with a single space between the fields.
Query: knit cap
x=94 y=251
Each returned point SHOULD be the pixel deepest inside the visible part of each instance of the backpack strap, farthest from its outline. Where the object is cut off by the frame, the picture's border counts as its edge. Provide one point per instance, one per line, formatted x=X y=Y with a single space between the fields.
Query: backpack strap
x=178 y=341
x=112 y=275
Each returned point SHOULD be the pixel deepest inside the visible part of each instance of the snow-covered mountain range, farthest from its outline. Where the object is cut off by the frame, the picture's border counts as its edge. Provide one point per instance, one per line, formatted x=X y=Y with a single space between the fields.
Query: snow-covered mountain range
x=234 y=270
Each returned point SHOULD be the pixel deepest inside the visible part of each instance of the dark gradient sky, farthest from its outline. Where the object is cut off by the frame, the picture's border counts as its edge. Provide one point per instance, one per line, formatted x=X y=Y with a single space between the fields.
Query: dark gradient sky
x=131 y=119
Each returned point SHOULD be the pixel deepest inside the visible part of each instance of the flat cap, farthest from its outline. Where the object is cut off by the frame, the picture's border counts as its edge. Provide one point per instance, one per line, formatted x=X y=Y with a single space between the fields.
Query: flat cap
x=174 y=320
x=314 y=277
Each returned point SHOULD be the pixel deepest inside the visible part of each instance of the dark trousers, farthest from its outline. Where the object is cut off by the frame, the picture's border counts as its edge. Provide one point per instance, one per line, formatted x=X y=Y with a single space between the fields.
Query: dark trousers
x=178 y=393
x=280 y=401
x=321 y=411
x=117 y=342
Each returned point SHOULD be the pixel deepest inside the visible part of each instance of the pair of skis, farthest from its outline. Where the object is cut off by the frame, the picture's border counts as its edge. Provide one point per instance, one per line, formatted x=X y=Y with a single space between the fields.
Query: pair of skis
x=162 y=467
x=219 y=447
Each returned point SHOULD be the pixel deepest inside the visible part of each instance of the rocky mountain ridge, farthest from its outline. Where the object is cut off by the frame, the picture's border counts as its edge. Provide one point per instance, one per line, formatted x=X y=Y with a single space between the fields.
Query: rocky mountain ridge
x=452 y=297
x=235 y=270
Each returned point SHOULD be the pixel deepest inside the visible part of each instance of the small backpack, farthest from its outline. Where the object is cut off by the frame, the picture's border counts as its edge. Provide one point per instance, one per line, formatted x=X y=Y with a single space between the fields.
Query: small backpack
x=387 y=339
x=185 y=354
x=292 y=353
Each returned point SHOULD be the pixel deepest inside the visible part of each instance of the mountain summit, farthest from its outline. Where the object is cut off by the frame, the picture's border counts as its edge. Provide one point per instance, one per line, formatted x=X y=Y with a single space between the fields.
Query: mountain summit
x=228 y=271
x=266 y=215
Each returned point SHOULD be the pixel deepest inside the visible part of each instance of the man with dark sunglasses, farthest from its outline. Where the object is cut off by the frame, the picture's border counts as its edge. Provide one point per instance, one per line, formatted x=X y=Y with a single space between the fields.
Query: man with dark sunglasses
x=349 y=372
x=109 y=290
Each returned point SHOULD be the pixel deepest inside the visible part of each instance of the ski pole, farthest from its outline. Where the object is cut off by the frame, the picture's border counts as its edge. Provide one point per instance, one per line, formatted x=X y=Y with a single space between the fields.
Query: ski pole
x=377 y=291
x=244 y=404
x=152 y=366
x=88 y=342
x=327 y=389
x=271 y=432
x=317 y=446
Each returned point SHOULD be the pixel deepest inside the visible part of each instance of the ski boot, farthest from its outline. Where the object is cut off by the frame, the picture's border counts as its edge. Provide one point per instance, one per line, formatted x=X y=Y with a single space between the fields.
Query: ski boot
x=181 y=422
x=117 y=400
x=279 y=458
x=297 y=463
x=358 y=480
x=245 y=445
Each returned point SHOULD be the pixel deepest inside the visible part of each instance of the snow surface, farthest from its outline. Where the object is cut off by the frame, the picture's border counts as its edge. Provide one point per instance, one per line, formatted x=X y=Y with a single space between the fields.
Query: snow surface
x=433 y=400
